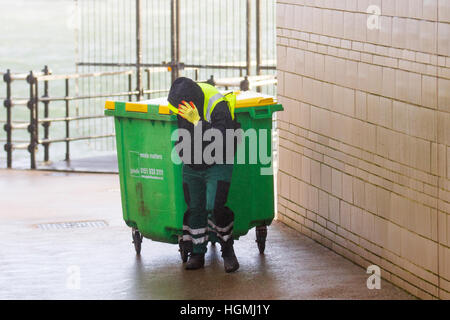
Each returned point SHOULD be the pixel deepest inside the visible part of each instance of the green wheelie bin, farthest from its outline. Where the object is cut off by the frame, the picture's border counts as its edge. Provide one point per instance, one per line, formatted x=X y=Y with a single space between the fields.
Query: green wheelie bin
x=151 y=183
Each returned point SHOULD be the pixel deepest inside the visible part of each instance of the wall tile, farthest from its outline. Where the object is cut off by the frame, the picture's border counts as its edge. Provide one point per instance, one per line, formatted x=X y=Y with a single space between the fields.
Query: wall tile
x=365 y=135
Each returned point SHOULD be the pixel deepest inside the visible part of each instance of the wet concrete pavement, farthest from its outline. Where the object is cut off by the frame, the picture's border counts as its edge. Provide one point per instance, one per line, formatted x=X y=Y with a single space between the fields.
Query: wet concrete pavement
x=100 y=262
x=92 y=164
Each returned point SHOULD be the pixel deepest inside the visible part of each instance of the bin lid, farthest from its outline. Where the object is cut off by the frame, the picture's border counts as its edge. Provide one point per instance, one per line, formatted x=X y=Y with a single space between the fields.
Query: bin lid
x=243 y=99
x=159 y=110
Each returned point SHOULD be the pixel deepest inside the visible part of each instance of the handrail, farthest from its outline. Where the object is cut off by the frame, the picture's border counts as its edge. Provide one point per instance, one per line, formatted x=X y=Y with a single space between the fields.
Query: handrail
x=47 y=141
x=105 y=95
x=22 y=76
x=236 y=81
x=18 y=102
x=20 y=146
x=263 y=82
x=20 y=125
x=43 y=120
x=33 y=80
x=82 y=75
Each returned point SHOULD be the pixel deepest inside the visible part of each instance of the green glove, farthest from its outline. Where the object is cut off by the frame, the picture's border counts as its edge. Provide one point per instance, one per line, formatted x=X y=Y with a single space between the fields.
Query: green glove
x=189 y=112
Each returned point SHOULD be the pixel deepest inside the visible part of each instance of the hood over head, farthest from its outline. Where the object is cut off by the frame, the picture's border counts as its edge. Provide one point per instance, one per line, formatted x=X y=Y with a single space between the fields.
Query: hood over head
x=186 y=89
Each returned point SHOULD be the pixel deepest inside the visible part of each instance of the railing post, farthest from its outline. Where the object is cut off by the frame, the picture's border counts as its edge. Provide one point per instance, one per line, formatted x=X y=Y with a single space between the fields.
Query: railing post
x=148 y=82
x=138 y=51
x=245 y=84
x=196 y=74
x=31 y=127
x=67 y=122
x=248 y=38
x=258 y=40
x=211 y=80
x=36 y=111
x=8 y=125
x=130 y=85
x=175 y=39
x=46 y=124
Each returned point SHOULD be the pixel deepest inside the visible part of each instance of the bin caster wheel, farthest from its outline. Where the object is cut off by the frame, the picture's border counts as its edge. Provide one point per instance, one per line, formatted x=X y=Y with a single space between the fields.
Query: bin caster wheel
x=261 y=235
x=137 y=240
x=184 y=252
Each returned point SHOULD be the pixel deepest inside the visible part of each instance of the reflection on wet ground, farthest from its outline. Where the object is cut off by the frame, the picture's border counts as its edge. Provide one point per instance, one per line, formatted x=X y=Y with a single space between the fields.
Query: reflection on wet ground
x=99 y=262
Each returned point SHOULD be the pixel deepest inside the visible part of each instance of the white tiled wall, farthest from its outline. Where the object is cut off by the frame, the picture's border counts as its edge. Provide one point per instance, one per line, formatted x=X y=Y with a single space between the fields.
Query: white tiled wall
x=365 y=136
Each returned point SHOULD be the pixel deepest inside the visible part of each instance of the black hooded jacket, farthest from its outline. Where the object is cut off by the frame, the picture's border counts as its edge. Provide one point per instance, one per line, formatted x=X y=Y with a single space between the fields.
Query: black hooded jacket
x=187 y=90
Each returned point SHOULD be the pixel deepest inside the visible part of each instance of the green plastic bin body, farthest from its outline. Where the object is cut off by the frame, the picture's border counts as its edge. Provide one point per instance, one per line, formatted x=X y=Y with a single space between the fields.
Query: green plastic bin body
x=151 y=184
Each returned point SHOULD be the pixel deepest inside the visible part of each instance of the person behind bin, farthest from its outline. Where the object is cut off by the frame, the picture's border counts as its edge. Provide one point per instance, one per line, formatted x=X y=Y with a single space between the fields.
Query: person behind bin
x=201 y=107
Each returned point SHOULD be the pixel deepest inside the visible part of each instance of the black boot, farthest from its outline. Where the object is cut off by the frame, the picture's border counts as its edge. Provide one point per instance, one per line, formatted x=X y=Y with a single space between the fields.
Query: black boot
x=196 y=261
x=230 y=261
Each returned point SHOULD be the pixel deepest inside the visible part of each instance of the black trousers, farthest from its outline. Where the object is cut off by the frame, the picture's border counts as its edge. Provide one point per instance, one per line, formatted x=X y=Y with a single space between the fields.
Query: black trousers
x=207 y=217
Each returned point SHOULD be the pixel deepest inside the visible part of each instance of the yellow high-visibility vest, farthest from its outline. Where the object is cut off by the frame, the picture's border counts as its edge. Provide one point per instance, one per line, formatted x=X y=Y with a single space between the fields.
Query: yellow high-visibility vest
x=213 y=97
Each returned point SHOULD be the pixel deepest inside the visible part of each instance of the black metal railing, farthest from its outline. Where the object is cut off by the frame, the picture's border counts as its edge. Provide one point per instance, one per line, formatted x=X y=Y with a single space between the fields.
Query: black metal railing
x=179 y=60
x=35 y=79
